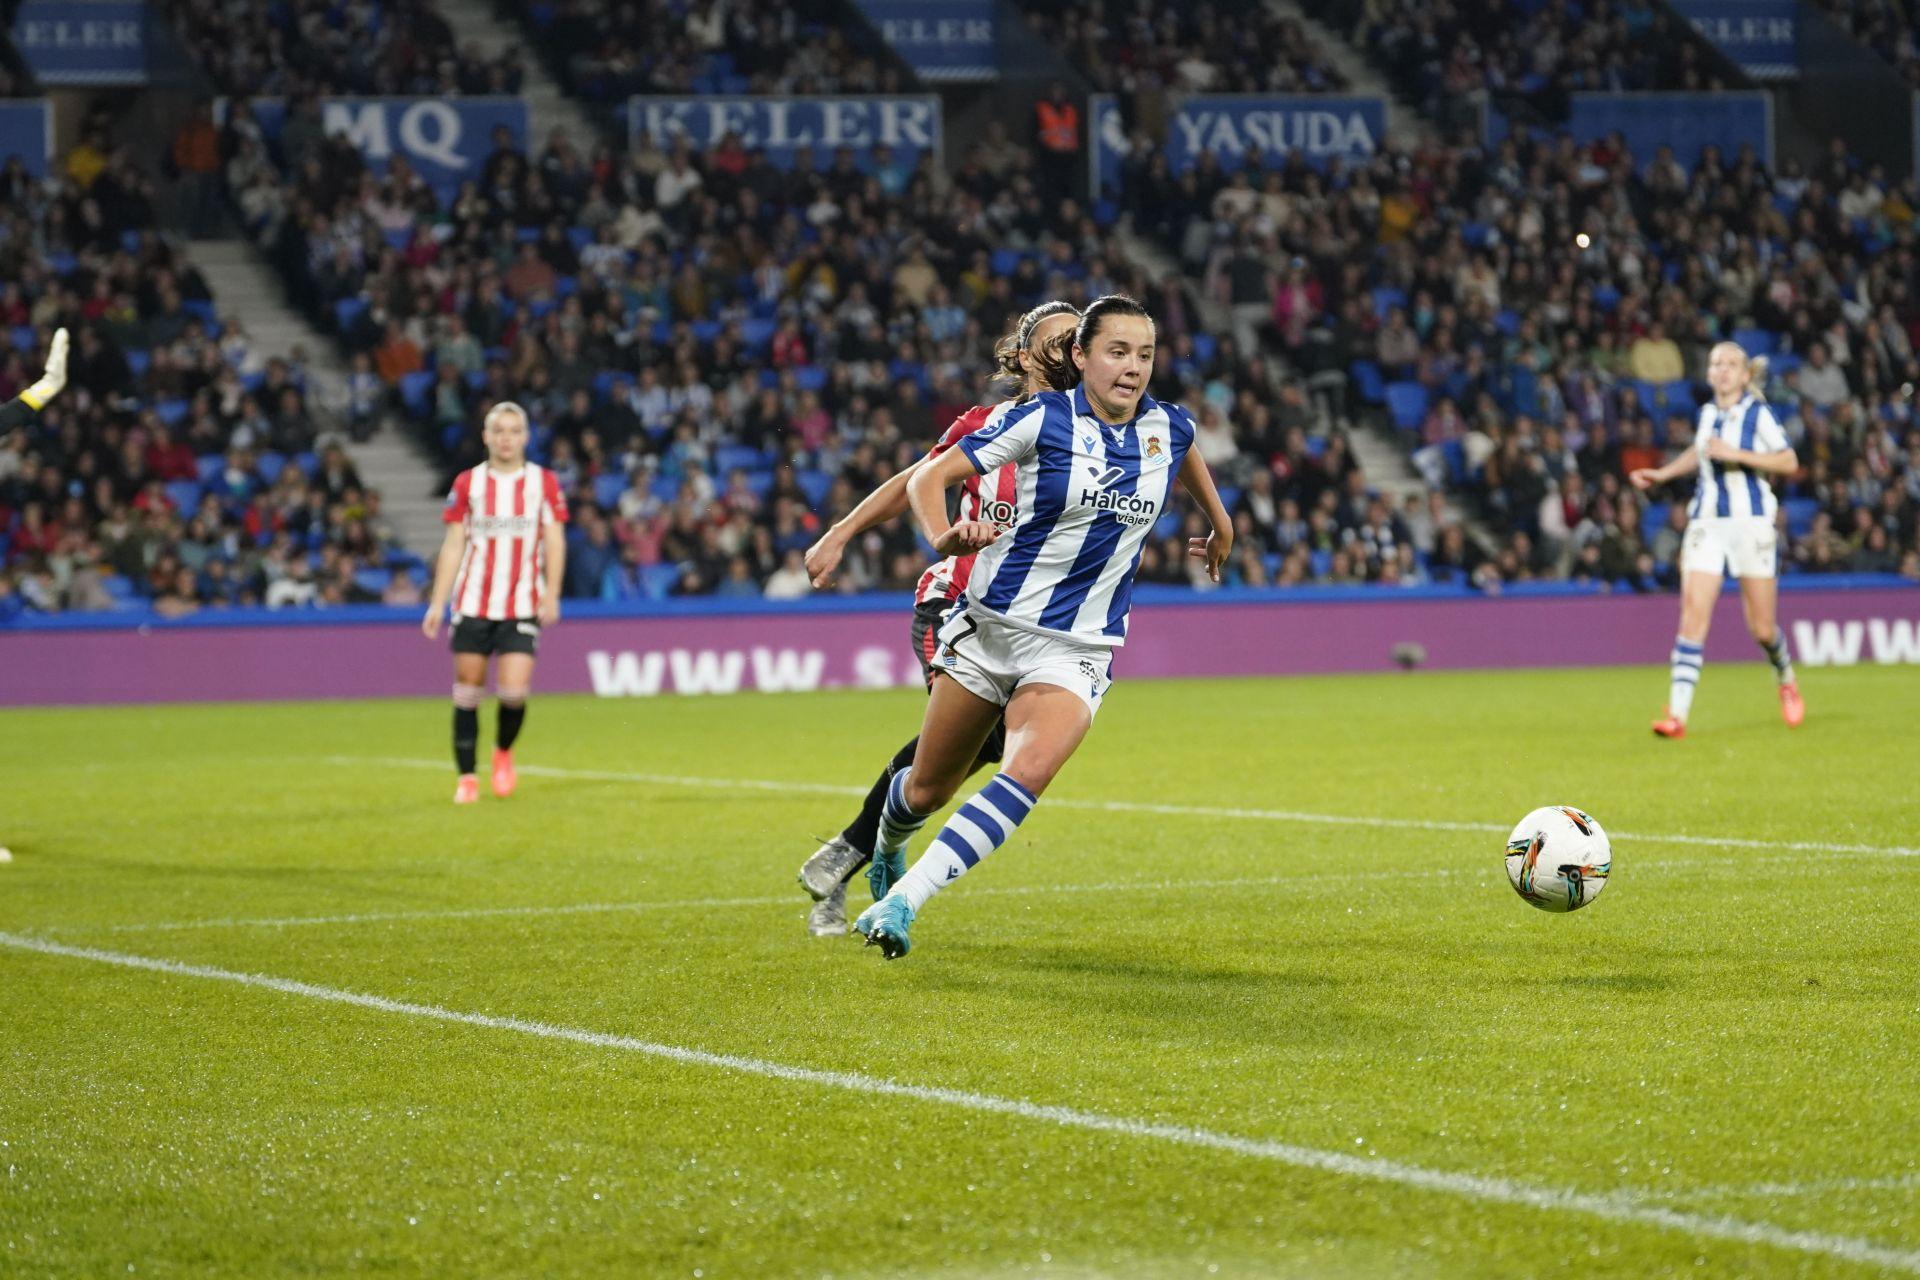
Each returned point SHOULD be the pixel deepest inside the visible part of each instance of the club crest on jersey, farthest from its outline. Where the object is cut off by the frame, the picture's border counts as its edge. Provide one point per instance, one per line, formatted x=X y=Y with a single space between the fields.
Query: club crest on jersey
x=1154 y=451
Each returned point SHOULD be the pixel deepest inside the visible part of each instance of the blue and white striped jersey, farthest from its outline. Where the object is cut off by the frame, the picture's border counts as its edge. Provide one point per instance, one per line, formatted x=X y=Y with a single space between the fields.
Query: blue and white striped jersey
x=1088 y=494
x=1723 y=490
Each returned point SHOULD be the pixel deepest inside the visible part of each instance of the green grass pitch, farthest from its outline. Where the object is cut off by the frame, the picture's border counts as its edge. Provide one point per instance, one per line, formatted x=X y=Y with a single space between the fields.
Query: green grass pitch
x=1227 y=1038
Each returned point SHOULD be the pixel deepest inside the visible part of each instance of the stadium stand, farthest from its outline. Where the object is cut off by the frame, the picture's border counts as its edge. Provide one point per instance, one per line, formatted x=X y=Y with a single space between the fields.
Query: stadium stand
x=180 y=468
x=1882 y=26
x=1452 y=56
x=394 y=47
x=1139 y=47
x=1532 y=373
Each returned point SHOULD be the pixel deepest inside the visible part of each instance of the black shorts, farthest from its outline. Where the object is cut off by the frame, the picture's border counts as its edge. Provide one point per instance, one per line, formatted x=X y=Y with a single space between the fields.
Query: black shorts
x=488 y=637
x=926 y=621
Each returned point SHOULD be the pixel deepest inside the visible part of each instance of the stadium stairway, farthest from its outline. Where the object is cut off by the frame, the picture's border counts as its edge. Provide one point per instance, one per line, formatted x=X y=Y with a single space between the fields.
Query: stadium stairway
x=547 y=107
x=247 y=289
x=1405 y=123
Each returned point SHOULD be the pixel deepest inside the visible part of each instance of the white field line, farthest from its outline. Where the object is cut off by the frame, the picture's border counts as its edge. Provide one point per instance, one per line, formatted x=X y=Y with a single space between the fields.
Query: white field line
x=1466 y=1186
x=791 y=900
x=1788 y=1190
x=1169 y=810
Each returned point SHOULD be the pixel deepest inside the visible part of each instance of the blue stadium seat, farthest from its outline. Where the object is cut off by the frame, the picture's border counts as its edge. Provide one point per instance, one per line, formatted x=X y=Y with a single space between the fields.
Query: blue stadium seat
x=607 y=490
x=414 y=392
x=309 y=464
x=184 y=494
x=1454 y=452
x=171 y=412
x=1167 y=526
x=119 y=588
x=810 y=377
x=1652 y=518
x=1800 y=514
x=1005 y=261
x=1205 y=347
x=757 y=334
x=1755 y=342
x=815 y=485
x=1678 y=396
x=1386 y=298
x=1228 y=496
x=705 y=331
x=1105 y=213
x=1321 y=561
x=62 y=264
x=664 y=488
x=138 y=362
x=347 y=312
x=760 y=482
x=200 y=309
x=733 y=457
x=269 y=465
x=398 y=237
x=1606 y=297
x=1507 y=322
x=253 y=381
x=1407 y=403
x=1368 y=381
x=22 y=336
x=579 y=238
x=1785 y=362
x=656 y=580
x=1648 y=394
x=375 y=580
x=565 y=287
x=210 y=466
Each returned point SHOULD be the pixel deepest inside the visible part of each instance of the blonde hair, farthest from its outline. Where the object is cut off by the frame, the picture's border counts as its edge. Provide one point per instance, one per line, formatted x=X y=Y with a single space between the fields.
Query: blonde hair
x=1756 y=367
x=505 y=406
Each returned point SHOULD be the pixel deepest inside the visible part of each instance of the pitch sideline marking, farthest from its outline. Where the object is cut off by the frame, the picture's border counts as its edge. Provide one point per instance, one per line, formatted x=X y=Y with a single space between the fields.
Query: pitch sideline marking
x=1167 y=810
x=1614 y=1208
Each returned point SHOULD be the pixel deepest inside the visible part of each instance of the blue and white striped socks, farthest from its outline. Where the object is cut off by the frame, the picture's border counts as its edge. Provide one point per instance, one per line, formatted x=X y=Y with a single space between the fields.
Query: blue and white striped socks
x=976 y=829
x=897 y=821
x=1686 y=661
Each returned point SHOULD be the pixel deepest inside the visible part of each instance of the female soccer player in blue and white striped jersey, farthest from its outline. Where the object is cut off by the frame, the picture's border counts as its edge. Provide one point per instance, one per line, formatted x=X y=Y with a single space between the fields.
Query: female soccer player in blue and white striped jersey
x=1033 y=637
x=1730 y=528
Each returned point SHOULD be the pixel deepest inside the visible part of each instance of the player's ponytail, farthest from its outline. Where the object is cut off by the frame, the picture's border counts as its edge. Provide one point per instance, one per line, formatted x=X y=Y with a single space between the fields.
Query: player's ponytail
x=1757 y=376
x=1007 y=351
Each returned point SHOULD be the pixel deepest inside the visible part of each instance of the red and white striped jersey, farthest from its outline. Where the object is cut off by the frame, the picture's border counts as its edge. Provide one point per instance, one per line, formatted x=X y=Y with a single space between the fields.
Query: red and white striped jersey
x=502 y=569
x=991 y=497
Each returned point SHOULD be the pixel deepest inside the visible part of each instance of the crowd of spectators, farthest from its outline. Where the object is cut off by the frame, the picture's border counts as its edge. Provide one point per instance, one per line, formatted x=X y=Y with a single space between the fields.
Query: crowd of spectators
x=1886 y=27
x=1454 y=57
x=1147 y=49
x=708 y=46
x=373 y=48
x=180 y=467
x=1536 y=319
x=720 y=355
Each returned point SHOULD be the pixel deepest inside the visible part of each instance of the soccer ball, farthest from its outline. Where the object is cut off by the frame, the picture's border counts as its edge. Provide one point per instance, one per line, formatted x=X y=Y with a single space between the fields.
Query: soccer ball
x=1558 y=858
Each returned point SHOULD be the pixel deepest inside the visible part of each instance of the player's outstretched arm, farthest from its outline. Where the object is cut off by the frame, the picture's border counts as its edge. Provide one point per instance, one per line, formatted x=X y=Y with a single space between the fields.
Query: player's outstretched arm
x=1216 y=546
x=927 y=492
x=20 y=411
x=1645 y=478
x=1777 y=462
x=883 y=504
x=451 y=548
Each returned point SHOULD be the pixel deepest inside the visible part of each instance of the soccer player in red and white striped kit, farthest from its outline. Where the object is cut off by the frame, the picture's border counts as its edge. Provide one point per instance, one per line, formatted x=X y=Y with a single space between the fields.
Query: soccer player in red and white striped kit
x=501 y=564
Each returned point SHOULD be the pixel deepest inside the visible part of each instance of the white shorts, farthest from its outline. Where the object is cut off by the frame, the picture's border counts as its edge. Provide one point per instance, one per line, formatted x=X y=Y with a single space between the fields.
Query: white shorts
x=992 y=659
x=1742 y=545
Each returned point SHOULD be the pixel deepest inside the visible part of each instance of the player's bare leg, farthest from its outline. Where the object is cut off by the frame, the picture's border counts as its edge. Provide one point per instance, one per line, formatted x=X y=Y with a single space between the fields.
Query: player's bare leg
x=469 y=683
x=514 y=674
x=1045 y=724
x=1698 y=592
x=1760 y=601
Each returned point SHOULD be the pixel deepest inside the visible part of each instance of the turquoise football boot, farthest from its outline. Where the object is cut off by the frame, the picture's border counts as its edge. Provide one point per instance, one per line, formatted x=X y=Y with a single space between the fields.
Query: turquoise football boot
x=885 y=924
x=885 y=871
